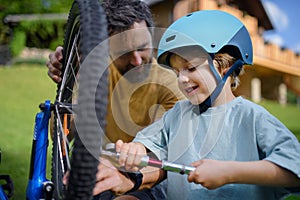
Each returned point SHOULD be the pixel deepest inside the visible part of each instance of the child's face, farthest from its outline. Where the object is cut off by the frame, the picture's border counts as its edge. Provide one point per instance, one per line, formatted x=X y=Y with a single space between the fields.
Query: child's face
x=195 y=78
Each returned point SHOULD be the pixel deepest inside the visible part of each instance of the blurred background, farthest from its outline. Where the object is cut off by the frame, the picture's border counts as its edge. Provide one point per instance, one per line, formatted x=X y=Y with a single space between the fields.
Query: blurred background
x=30 y=29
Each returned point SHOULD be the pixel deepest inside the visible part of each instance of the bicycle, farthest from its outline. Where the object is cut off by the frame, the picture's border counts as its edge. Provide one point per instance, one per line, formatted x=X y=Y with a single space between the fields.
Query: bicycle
x=6 y=188
x=76 y=131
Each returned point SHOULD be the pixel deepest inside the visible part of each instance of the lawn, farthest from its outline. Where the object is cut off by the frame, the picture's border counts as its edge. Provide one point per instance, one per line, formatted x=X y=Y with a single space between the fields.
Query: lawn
x=24 y=87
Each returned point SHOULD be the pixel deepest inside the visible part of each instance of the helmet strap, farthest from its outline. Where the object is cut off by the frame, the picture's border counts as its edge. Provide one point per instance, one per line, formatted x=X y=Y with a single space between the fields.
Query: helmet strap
x=208 y=102
x=213 y=69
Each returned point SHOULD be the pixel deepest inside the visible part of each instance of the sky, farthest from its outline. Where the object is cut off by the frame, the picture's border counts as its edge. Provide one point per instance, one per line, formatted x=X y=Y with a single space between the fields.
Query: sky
x=285 y=17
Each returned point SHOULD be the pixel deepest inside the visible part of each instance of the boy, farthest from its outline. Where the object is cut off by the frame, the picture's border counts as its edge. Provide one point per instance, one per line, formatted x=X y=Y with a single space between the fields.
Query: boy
x=239 y=150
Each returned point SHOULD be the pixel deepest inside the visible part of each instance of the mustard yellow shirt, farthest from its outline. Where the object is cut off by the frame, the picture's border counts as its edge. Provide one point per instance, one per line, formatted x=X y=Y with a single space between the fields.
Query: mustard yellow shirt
x=133 y=106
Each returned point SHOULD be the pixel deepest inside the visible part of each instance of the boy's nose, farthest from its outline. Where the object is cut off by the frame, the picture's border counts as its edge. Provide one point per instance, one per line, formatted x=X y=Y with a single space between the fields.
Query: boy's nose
x=182 y=77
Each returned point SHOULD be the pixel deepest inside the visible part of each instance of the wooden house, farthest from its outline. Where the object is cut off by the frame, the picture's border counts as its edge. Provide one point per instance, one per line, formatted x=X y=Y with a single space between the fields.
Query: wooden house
x=276 y=69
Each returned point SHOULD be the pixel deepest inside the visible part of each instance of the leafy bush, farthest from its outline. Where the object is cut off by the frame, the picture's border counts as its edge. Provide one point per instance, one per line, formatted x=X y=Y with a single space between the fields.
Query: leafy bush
x=38 y=33
x=18 y=42
x=31 y=7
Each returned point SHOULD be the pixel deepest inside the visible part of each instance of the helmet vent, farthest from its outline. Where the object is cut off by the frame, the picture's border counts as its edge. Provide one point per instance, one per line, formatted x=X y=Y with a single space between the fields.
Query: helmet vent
x=170 y=38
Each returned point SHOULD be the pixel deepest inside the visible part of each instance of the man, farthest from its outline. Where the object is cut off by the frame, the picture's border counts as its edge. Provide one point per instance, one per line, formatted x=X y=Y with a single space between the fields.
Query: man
x=140 y=91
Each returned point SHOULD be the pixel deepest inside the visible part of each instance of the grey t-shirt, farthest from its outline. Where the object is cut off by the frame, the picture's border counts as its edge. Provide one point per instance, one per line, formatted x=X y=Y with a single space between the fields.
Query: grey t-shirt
x=238 y=131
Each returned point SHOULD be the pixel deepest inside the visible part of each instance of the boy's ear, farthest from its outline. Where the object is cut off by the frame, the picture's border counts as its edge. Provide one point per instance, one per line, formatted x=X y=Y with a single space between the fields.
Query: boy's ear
x=224 y=70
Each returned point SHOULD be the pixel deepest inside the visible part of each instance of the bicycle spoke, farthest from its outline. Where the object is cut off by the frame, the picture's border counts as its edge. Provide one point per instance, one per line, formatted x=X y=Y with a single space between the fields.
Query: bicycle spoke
x=66 y=106
x=68 y=66
x=59 y=140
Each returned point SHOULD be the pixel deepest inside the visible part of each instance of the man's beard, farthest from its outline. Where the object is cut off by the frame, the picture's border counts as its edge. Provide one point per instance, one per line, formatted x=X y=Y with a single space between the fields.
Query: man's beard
x=138 y=74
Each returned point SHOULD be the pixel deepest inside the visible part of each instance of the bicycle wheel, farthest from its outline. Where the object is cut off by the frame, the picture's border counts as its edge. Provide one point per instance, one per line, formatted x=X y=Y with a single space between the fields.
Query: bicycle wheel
x=76 y=131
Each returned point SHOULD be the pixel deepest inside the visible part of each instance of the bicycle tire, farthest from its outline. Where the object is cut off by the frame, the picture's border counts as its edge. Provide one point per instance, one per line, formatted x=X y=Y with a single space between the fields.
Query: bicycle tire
x=86 y=28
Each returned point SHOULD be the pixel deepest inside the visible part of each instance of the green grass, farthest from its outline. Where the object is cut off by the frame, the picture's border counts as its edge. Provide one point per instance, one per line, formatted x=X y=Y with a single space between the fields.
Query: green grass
x=24 y=87
x=288 y=115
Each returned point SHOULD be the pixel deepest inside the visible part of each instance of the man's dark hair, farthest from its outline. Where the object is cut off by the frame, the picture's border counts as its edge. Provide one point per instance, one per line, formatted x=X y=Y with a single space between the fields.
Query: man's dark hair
x=121 y=14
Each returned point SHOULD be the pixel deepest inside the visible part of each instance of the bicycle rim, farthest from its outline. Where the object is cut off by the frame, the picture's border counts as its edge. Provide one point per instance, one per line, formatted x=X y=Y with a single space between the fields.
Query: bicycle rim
x=86 y=29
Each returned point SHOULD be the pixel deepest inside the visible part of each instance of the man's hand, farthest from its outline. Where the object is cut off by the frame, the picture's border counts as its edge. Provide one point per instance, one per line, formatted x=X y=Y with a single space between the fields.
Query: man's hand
x=54 y=64
x=110 y=178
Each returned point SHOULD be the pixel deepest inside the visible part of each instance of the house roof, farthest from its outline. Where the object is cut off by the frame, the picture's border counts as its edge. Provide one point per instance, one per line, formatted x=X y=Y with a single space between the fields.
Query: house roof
x=254 y=8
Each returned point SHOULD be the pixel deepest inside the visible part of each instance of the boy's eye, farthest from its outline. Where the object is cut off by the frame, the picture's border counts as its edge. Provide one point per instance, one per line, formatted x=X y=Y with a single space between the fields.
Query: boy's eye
x=191 y=69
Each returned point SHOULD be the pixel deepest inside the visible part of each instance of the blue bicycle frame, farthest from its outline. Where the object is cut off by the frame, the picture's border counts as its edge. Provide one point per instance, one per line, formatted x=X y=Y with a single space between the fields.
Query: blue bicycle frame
x=8 y=186
x=39 y=187
x=2 y=194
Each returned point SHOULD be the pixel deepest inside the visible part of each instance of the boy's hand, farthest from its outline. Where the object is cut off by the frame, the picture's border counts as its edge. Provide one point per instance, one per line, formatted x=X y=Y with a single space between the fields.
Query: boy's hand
x=54 y=64
x=210 y=173
x=130 y=154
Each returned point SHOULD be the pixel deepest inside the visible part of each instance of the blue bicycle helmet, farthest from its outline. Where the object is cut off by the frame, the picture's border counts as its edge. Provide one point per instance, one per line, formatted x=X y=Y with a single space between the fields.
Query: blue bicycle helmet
x=214 y=31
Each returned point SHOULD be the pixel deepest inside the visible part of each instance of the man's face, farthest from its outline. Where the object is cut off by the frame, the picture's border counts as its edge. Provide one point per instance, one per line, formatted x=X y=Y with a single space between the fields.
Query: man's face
x=131 y=52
